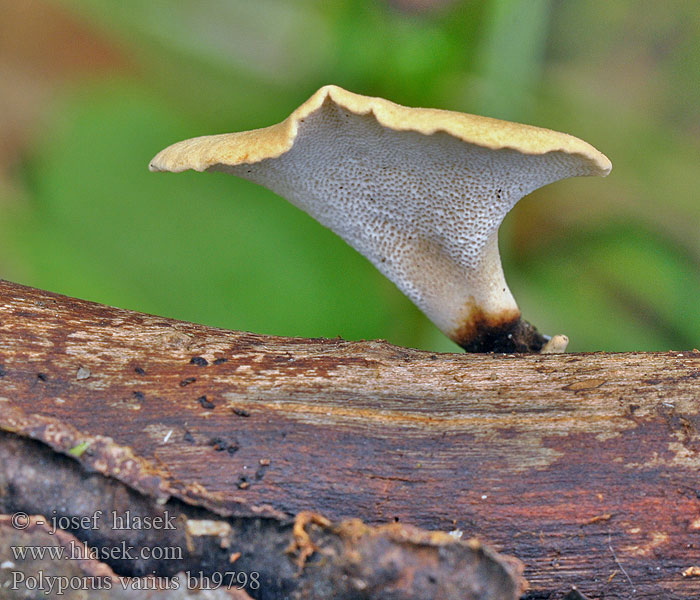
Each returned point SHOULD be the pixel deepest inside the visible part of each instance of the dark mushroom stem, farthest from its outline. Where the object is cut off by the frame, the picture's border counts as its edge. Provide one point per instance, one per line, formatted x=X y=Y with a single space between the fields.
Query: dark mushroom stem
x=513 y=336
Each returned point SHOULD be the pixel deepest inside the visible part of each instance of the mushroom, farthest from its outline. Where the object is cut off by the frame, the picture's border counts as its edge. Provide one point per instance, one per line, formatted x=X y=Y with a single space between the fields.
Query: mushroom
x=419 y=192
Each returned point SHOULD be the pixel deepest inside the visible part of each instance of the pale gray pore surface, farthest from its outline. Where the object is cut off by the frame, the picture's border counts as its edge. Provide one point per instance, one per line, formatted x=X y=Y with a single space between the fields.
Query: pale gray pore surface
x=424 y=209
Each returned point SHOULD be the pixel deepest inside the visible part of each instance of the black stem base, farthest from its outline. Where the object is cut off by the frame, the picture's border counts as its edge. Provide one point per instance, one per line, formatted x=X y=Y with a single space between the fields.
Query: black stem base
x=516 y=336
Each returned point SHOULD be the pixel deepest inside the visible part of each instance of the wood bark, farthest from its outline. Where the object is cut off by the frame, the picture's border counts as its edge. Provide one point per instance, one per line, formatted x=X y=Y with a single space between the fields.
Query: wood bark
x=586 y=467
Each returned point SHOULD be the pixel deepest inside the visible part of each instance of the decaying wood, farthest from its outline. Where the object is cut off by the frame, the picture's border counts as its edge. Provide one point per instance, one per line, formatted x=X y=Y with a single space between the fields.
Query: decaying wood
x=584 y=466
x=189 y=548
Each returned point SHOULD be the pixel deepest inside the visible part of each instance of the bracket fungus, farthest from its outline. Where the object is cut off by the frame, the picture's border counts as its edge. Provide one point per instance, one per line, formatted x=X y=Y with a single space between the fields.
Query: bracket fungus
x=420 y=192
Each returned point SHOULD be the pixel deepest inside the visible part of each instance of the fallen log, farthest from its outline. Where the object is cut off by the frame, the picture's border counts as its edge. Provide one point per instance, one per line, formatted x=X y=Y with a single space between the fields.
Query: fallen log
x=118 y=543
x=584 y=466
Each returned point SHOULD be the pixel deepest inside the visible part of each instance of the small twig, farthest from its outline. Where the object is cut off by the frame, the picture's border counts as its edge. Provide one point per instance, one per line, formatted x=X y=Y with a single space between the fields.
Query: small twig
x=619 y=564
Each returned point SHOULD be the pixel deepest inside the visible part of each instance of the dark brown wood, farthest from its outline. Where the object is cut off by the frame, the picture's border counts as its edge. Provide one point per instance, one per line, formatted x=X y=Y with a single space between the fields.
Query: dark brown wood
x=584 y=466
x=170 y=548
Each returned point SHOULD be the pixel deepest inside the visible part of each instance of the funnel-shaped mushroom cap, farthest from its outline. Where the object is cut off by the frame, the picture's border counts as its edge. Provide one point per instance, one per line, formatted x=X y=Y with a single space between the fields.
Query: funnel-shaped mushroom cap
x=420 y=192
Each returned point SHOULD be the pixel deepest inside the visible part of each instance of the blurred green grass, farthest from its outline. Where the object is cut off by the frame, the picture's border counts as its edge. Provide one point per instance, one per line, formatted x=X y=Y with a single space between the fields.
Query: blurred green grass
x=615 y=264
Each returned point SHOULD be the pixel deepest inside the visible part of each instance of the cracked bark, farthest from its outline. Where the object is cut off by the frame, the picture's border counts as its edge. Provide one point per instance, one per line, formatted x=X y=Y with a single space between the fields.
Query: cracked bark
x=584 y=466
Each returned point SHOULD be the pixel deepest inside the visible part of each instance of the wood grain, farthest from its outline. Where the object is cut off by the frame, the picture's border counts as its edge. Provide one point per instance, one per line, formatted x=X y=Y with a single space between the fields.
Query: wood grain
x=584 y=466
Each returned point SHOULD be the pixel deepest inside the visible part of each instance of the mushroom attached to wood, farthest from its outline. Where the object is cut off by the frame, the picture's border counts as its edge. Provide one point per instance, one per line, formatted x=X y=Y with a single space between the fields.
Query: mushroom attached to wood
x=420 y=192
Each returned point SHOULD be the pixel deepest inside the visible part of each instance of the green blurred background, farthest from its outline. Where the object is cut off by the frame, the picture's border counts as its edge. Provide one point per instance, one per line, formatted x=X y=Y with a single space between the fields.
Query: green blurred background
x=90 y=90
